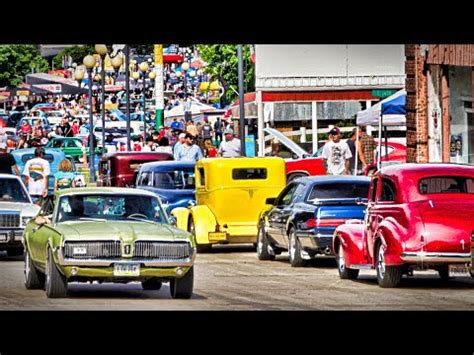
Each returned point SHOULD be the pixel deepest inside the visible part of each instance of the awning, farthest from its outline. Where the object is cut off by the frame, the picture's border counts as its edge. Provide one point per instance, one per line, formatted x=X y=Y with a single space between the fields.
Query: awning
x=393 y=109
x=53 y=84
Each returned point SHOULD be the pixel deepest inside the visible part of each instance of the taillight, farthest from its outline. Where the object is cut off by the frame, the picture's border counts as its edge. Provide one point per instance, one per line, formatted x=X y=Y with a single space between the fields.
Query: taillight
x=313 y=222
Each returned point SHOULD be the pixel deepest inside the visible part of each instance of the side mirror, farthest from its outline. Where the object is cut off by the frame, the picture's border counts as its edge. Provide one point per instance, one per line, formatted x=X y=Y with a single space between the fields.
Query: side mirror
x=270 y=201
x=173 y=220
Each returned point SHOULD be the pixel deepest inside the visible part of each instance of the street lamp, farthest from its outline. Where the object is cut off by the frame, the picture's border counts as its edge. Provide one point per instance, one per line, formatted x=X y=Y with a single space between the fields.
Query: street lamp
x=101 y=49
x=143 y=66
x=184 y=69
x=90 y=62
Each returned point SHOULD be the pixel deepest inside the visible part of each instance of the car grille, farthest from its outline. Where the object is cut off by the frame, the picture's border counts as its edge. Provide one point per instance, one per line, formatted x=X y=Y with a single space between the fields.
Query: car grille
x=9 y=220
x=93 y=250
x=162 y=250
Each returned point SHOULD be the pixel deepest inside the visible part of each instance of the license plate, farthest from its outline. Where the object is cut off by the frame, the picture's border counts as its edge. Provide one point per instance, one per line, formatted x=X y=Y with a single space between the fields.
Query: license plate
x=459 y=270
x=79 y=251
x=217 y=236
x=126 y=269
x=3 y=237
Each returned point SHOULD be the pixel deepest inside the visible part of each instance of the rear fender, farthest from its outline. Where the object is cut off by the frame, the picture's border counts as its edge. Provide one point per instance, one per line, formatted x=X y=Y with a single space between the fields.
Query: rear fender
x=182 y=216
x=391 y=240
x=351 y=237
x=204 y=222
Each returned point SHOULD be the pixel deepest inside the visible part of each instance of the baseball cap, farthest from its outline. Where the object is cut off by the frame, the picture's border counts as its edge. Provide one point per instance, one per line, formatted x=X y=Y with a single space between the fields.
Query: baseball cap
x=229 y=131
x=334 y=131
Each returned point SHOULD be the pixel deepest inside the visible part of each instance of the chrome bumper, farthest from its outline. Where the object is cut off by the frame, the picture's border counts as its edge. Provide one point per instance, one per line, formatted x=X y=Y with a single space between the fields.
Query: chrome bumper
x=423 y=257
x=109 y=262
x=314 y=241
x=11 y=235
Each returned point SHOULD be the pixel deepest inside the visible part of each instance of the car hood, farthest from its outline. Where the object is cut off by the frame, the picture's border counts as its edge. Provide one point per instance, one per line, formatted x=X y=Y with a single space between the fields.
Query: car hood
x=125 y=230
x=295 y=148
x=27 y=209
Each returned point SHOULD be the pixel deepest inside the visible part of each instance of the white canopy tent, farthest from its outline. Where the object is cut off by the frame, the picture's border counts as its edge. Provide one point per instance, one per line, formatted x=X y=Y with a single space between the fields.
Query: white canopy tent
x=388 y=112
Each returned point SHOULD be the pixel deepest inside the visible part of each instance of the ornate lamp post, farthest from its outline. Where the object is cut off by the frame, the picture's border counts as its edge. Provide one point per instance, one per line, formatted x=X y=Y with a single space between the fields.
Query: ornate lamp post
x=90 y=62
x=101 y=49
x=144 y=68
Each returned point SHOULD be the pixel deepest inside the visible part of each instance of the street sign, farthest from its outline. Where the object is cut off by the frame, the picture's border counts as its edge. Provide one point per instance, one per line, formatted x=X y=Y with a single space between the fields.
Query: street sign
x=383 y=93
x=22 y=92
x=250 y=145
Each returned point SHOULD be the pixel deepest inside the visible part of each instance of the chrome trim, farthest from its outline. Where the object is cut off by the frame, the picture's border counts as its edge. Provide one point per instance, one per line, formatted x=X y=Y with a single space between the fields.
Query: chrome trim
x=360 y=266
x=162 y=249
x=104 y=262
x=425 y=257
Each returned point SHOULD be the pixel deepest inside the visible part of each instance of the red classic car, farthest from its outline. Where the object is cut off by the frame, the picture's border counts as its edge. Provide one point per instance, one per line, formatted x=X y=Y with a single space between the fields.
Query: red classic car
x=301 y=163
x=121 y=168
x=419 y=216
x=392 y=153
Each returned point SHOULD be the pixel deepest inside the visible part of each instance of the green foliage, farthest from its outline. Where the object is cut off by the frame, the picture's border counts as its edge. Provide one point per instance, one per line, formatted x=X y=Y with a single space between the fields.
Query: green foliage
x=76 y=52
x=18 y=60
x=222 y=65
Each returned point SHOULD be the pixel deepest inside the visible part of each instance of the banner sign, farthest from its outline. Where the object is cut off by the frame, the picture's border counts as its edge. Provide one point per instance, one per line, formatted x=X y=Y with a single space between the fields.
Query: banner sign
x=54 y=88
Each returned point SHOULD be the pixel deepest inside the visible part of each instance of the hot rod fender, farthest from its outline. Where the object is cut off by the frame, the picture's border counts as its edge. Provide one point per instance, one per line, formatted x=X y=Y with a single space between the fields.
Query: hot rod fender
x=392 y=244
x=203 y=218
x=351 y=237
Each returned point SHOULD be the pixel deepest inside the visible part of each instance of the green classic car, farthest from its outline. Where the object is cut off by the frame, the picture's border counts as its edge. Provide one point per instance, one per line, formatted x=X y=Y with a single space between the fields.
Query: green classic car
x=71 y=146
x=106 y=234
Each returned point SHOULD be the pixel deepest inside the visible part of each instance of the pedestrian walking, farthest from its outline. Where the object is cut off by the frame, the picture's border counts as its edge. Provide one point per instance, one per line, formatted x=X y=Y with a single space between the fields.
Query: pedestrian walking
x=36 y=172
x=230 y=147
x=64 y=177
x=337 y=154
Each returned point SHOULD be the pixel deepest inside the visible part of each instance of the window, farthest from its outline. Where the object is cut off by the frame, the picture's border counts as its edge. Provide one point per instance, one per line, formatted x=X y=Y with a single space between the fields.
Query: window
x=339 y=190
x=286 y=195
x=249 y=174
x=12 y=191
x=388 y=191
x=145 y=179
x=174 y=180
x=202 y=179
x=26 y=157
x=373 y=192
x=446 y=184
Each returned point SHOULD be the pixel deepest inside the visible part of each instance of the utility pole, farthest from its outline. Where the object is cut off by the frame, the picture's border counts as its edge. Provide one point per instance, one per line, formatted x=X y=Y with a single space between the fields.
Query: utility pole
x=241 y=100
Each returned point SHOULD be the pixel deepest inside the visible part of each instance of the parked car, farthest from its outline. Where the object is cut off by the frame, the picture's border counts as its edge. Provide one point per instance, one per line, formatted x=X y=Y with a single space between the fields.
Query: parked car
x=419 y=216
x=54 y=157
x=120 y=169
x=299 y=163
x=71 y=146
x=172 y=181
x=230 y=194
x=305 y=214
x=54 y=117
x=15 y=117
x=109 y=235
x=16 y=209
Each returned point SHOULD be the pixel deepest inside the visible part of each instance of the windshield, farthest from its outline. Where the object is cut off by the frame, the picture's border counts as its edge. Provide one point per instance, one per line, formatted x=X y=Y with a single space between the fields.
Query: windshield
x=107 y=207
x=12 y=191
x=341 y=190
x=175 y=180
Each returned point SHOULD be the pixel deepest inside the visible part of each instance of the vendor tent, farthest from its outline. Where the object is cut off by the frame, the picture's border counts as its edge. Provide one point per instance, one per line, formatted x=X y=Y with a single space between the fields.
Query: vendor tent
x=53 y=84
x=388 y=112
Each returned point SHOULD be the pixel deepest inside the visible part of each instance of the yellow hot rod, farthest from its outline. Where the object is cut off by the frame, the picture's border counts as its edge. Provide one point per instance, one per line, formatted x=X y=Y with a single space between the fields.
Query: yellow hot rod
x=230 y=195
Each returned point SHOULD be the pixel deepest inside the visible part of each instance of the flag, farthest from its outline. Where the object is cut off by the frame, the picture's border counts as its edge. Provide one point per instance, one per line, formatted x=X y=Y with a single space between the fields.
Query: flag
x=252 y=53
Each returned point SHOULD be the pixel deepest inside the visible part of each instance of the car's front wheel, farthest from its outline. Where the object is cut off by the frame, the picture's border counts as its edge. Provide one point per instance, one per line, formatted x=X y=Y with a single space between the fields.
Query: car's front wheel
x=294 y=250
x=33 y=278
x=151 y=284
x=183 y=287
x=344 y=271
x=387 y=276
x=56 y=283
x=263 y=245
x=200 y=248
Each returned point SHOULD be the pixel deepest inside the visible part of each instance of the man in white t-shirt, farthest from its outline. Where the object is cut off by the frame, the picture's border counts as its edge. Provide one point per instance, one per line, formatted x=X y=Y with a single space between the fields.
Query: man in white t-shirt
x=337 y=154
x=230 y=147
x=36 y=172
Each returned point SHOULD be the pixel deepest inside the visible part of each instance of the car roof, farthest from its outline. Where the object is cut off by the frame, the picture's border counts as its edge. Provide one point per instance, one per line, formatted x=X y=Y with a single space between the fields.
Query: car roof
x=333 y=179
x=427 y=169
x=104 y=190
x=167 y=164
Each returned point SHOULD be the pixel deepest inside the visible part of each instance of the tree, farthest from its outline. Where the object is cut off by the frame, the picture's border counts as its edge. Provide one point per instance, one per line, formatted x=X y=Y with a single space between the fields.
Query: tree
x=18 y=60
x=77 y=54
x=222 y=64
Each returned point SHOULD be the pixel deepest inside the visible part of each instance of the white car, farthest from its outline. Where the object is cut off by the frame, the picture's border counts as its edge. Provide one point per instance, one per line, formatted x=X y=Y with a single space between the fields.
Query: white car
x=16 y=209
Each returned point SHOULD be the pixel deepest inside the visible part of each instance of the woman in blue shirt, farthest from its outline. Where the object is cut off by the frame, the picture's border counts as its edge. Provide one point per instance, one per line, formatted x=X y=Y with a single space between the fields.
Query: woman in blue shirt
x=64 y=178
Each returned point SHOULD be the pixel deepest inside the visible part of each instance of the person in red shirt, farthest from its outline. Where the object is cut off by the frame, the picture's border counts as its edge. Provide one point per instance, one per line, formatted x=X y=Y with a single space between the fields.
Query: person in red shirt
x=209 y=150
x=75 y=128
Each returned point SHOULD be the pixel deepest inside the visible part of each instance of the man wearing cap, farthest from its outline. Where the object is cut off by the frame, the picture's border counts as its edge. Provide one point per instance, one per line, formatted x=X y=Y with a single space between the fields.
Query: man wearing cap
x=7 y=161
x=230 y=147
x=37 y=171
x=189 y=151
x=336 y=154
x=181 y=140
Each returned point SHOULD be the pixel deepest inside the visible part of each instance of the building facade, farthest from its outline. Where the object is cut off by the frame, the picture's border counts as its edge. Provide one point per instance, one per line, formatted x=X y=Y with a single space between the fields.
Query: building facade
x=439 y=84
x=301 y=85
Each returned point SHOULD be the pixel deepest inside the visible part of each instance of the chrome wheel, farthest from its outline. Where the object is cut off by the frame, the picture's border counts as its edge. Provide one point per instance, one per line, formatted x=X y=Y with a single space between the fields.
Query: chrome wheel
x=341 y=263
x=27 y=269
x=292 y=246
x=381 y=262
x=260 y=241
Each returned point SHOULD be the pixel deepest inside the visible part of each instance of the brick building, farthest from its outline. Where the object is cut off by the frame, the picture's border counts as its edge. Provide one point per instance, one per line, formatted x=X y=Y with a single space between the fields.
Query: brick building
x=439 y=88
